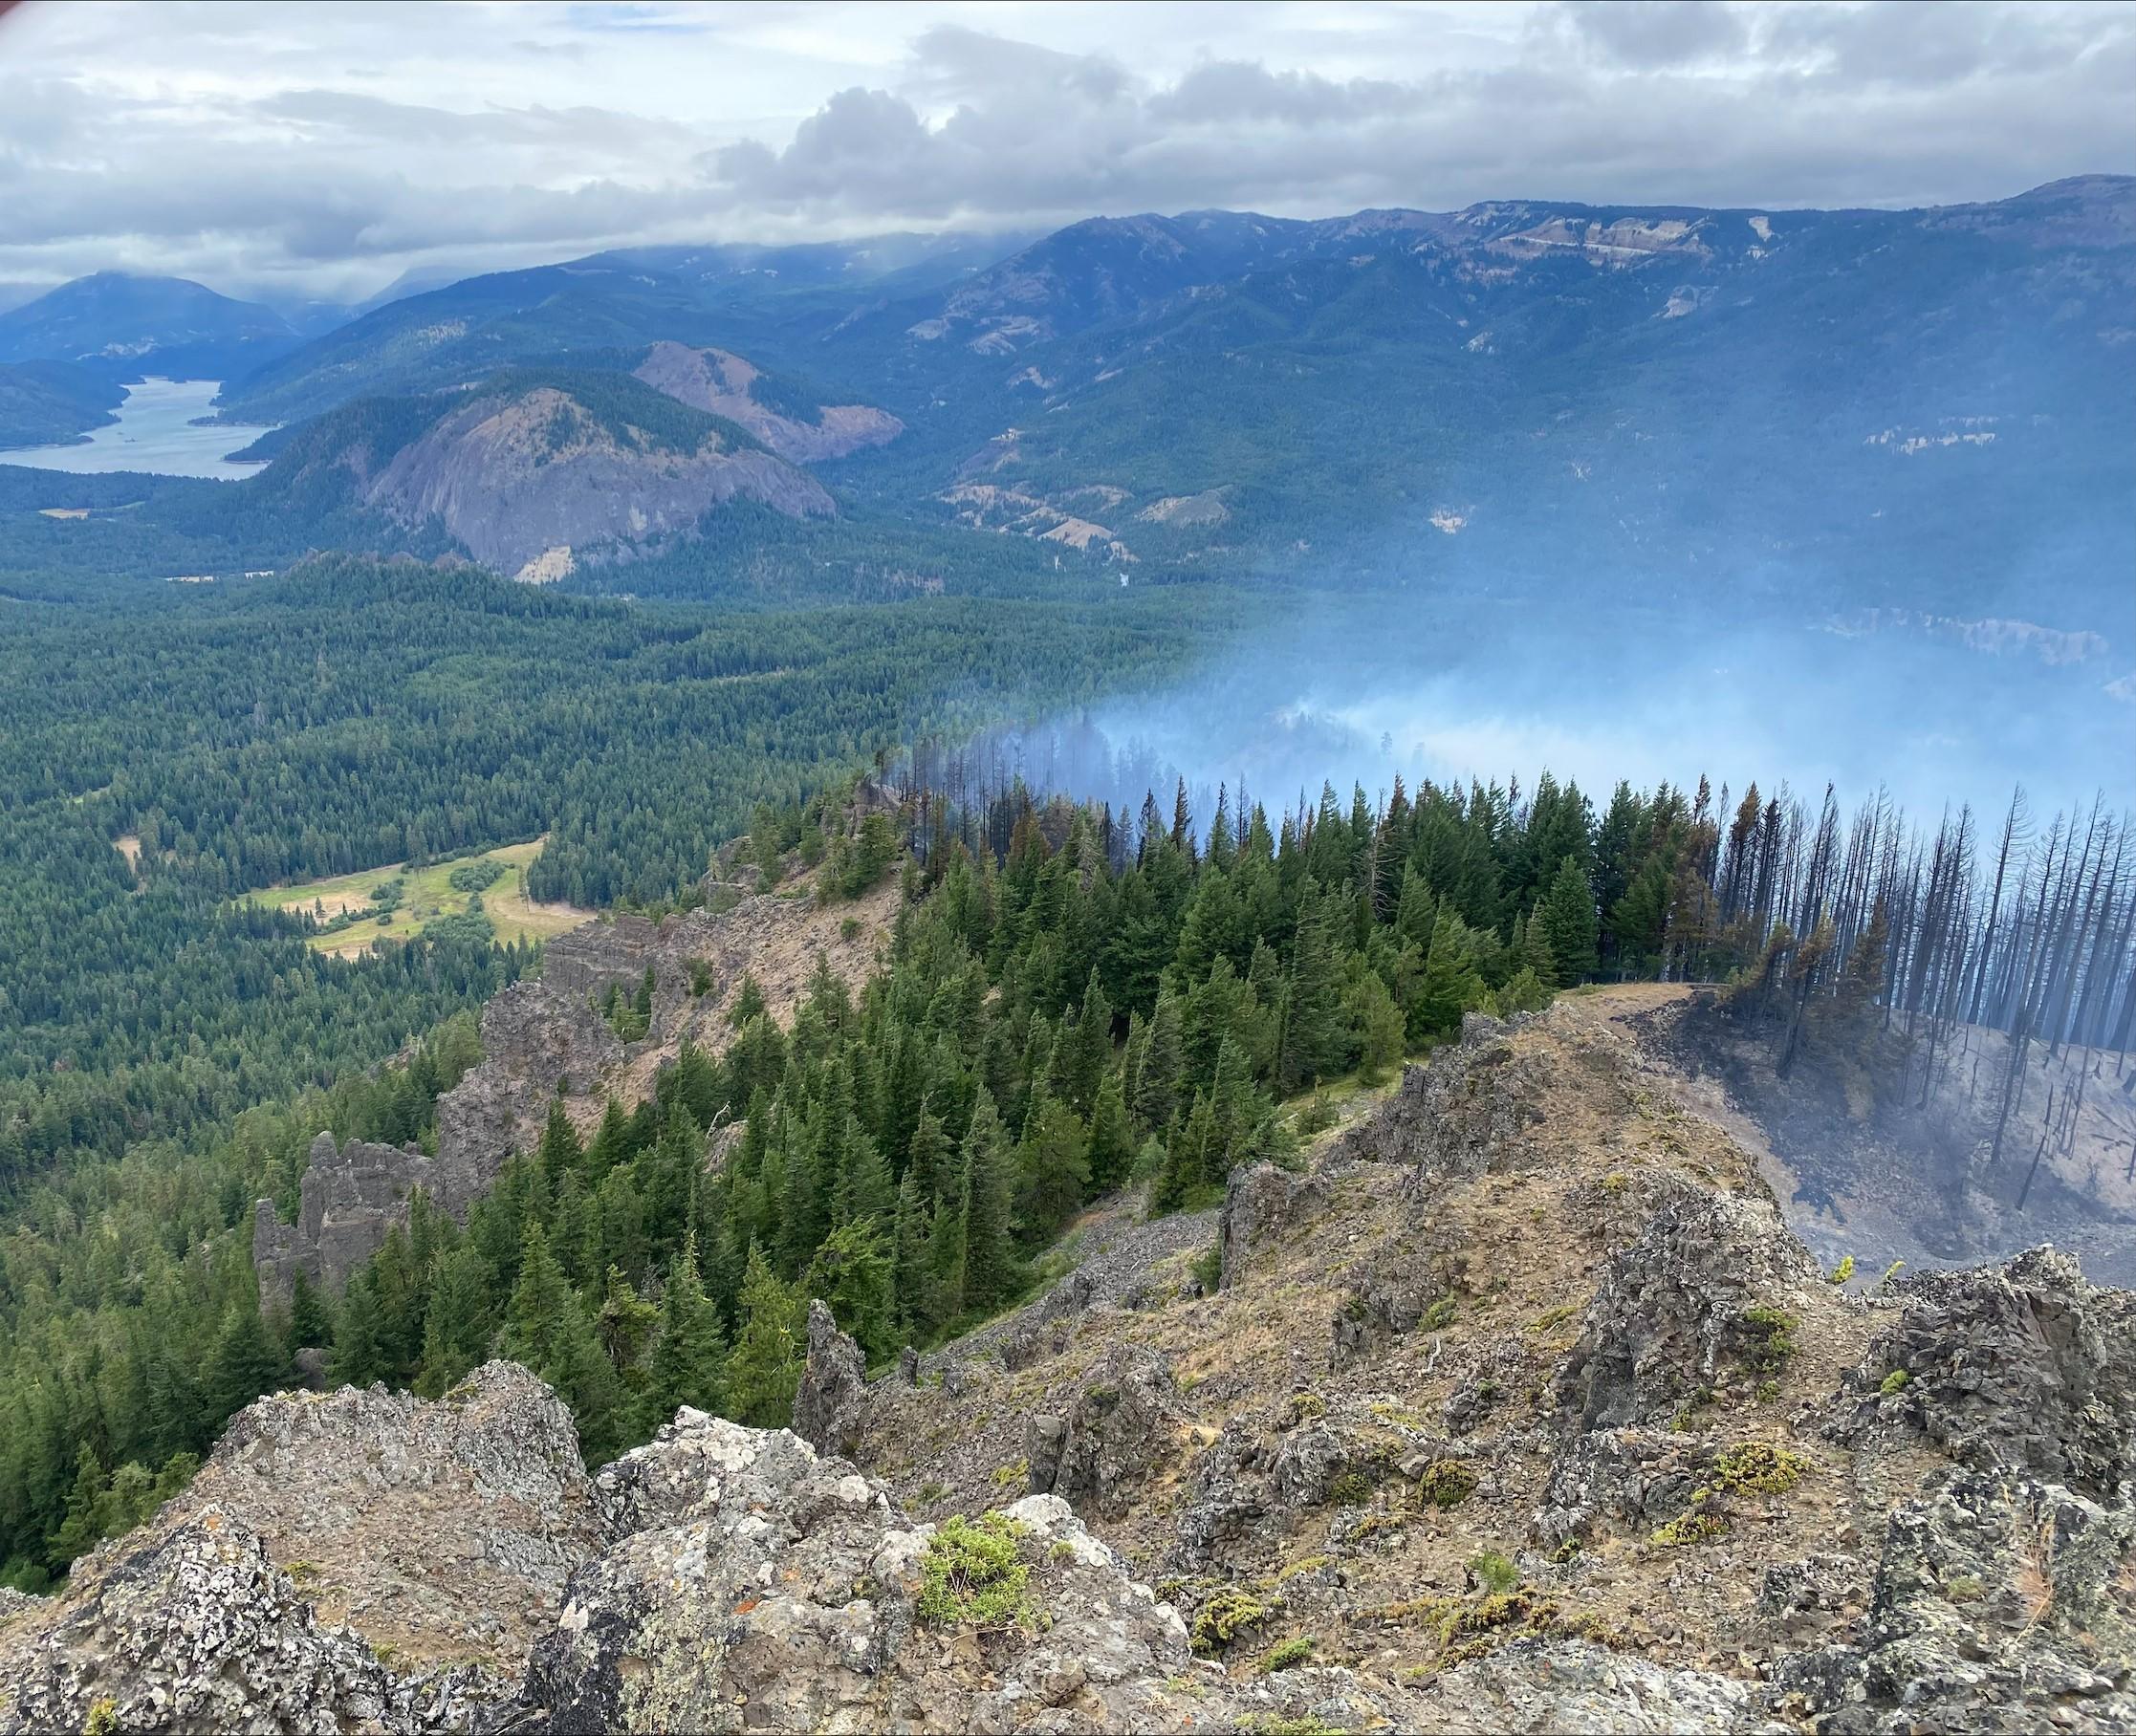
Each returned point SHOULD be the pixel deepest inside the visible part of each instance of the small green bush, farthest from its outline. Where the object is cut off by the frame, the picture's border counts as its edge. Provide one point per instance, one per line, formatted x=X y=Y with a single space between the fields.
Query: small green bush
x=971 y=1574
x=1758 y=1467
x=1287 y=1655
x=1844 y=1271
x=1208 y=1267
x=1441 y=1314
x=1687 y=1528
x=1225 y=1614
x=1305 y=1407
x=1893 y=1382
x=1352 y=1488
x=1446 y=1483
x=1495 y=1573
x=1773 y=1330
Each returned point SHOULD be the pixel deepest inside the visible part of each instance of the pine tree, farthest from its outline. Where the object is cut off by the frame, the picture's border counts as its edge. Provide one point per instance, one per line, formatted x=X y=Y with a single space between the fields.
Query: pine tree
x=1380 y=1026
x=1450 y=984
x=308 y=1327
x=244 y=1363
x=853 y=1275
x=535 y=1317
x=1112 y=1138
x=990 y=1262
x=458 y=1322
x=1053 y=1170
x=769 y=1347
x=1569 y=924
x=1314 y=1033
x=1164 y=1061
x=912 y=1239
x=359 y=1348
x=688 y=1361
x=559 y=1152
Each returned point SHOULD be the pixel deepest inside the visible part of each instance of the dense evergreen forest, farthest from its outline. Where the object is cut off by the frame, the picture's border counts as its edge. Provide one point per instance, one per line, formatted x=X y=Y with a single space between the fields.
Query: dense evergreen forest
x=1075 y=1001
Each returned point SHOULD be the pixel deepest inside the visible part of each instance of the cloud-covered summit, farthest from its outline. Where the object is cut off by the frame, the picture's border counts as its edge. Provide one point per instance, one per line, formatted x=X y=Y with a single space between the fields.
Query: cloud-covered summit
x=326 y=149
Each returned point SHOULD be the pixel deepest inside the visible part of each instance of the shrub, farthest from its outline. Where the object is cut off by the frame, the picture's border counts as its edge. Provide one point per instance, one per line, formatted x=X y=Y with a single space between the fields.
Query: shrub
x=1691 y=1526
x=1893 y=1382
x=1493 y=1571
x=1444 y=1482
x=1226 y=1612
x=1208 y=1267
x=1306 y=1407
x=476 y=876
x=1287 y=1655
x=1352 y=1488
x=971 y=1576
x=1844 y=1271
x=1440 y=1314
x=1773 y=1333
x=1758 y=1467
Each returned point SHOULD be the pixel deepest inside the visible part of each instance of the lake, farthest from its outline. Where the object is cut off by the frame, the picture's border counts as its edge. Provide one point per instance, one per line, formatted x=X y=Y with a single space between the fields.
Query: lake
x=153 y=433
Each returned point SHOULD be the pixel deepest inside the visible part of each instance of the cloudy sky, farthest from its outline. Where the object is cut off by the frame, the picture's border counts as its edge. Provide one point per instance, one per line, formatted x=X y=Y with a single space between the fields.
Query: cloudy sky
x=323 y=149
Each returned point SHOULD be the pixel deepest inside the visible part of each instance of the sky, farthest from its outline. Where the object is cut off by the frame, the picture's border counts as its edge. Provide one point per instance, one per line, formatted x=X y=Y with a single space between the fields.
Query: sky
x=322 y=150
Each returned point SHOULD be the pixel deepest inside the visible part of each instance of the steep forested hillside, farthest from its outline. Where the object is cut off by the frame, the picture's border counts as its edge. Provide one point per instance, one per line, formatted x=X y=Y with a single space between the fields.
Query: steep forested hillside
x=45 y=403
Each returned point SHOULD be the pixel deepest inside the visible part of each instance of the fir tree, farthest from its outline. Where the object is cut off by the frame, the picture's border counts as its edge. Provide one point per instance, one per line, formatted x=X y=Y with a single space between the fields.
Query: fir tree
x=1112 y=1138
x=458 y=1321
x=1569 y=924
x=688 y=1361
x=990 y=1263
x=770 y=1346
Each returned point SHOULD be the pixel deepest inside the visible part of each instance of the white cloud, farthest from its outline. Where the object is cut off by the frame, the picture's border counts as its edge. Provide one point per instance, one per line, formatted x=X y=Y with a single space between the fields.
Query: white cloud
x=324 y=149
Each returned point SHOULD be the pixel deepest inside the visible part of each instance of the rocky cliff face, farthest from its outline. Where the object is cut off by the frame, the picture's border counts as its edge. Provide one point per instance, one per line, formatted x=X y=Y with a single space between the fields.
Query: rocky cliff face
x=719 y=382
x=1523 y=1409
x=517 y=475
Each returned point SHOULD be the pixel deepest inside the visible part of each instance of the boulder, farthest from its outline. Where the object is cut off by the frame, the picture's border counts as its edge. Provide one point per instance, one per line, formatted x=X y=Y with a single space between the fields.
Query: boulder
x=2000 y=1603
x=1262 y=1204
x=1703 y=1294
x=771 y=1588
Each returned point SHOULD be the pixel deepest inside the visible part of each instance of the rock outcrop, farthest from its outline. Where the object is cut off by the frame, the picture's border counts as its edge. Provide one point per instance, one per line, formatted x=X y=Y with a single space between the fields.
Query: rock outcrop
x=352 y=1194
x=443 y=1530
x=722 y=382
x=2021 y=1367
x=547 y=1035
x=833 y=1383
x=189 y=1627
x=752 y=1584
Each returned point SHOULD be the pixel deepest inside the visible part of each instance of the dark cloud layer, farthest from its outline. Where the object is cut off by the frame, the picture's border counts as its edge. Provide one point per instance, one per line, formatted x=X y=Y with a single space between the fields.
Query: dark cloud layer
x=226 y=144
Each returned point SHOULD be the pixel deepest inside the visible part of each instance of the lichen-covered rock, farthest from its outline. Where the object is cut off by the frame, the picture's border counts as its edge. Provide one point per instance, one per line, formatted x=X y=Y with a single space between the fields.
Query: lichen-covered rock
x=2000 y=1604
x=1705 y=1290
x=1564 y=1688
x=1395 y=1289
x=187 y=1626
x=1629 y=1478
x=443 y=1530
x=1127 y=1424
x=1459 y=1114
x=834 y=1385
x=1262 y=1203
x=756 y=1585
x=2023 y=1365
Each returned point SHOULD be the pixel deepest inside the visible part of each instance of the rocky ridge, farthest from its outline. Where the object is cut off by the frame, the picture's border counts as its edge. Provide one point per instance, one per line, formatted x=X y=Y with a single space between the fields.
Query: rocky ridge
x=1638 y=1465
x=546 y=1036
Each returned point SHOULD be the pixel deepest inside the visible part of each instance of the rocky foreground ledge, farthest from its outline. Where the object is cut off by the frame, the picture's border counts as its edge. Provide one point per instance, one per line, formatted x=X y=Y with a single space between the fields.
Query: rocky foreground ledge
x=1521 y=1410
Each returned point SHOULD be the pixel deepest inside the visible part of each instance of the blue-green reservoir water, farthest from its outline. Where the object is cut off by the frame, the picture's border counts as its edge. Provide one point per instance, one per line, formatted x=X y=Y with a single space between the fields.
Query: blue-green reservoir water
x=153 y=433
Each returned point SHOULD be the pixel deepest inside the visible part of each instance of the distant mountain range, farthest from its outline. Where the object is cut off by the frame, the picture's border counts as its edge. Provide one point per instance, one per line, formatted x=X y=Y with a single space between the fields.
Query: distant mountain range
x=1738 y=409
x=127 y=326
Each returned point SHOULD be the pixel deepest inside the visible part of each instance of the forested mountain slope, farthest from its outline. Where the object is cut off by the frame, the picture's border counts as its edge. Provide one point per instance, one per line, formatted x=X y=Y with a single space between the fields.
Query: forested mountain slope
x=126 y=326
x=1754 y=411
